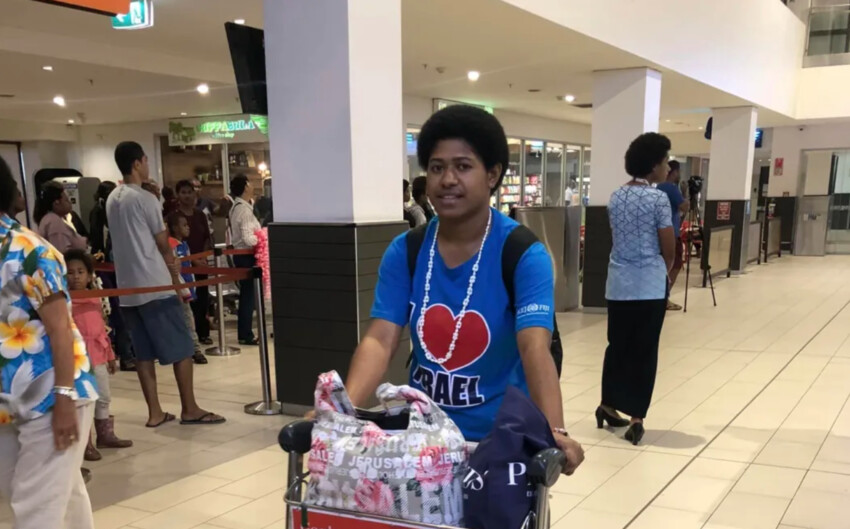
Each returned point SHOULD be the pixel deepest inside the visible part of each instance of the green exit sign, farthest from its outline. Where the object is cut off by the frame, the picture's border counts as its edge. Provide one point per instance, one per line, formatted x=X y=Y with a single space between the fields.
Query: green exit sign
x=139 y=17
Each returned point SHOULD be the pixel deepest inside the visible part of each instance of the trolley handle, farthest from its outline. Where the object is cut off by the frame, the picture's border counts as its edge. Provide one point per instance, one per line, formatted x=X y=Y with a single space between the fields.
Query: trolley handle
x=546 y=467
x=296 y=437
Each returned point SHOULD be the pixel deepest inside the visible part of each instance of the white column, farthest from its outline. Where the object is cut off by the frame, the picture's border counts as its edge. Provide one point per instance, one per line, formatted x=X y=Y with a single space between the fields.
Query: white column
x=730 y=173
x=626 y=103
x=333 y=69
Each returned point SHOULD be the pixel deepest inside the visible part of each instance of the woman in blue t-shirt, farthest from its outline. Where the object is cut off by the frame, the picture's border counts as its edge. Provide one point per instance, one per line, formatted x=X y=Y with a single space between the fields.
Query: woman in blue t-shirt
x=641 y=257
x=469 y=344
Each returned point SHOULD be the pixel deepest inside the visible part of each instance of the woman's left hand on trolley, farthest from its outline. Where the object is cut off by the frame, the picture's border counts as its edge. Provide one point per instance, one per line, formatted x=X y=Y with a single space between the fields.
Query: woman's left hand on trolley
x=572 y=449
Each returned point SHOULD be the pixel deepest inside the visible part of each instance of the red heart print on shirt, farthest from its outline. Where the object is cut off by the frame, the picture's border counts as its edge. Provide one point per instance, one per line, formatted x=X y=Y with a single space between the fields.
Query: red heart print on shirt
x=472 y=341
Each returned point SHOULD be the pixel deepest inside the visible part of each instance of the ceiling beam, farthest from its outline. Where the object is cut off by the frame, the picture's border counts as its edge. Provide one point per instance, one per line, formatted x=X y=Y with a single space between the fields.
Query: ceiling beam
x=75 y=49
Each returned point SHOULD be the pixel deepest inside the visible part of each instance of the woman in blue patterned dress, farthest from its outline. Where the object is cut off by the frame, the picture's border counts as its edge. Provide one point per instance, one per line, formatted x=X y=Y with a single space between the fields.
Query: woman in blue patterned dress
x=47 y=390
x=641 y=256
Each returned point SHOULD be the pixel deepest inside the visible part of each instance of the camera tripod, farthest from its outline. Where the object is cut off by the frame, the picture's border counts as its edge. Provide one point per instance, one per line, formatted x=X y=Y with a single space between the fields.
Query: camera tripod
x=695 y=220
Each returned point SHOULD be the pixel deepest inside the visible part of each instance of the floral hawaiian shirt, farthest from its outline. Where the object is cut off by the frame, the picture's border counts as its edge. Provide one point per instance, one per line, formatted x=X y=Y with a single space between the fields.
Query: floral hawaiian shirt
x=31 y=270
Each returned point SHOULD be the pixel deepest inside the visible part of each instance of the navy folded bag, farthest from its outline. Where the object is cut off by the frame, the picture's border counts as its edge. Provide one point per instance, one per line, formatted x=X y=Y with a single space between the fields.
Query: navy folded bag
x=496 y=491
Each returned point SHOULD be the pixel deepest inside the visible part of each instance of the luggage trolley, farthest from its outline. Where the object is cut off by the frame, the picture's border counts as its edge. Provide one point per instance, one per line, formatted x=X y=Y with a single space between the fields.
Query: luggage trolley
x=295 y=439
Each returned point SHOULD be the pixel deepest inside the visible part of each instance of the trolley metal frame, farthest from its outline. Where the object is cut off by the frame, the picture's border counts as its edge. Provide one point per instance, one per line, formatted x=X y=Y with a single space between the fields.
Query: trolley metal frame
x=295 y=439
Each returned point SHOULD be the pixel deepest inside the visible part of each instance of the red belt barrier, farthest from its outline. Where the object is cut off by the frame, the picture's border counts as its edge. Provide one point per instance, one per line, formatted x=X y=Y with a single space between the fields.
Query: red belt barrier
x=211 y=253
x=236 y=275
x=110 y=267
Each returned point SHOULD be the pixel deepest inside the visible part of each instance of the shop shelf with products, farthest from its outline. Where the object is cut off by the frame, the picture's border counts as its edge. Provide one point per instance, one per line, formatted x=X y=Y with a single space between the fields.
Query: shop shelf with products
x=511 y=190
x=252 y=160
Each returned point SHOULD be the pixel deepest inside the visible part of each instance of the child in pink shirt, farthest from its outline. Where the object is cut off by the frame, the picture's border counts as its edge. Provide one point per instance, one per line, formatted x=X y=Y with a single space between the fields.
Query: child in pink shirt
x=88 y=317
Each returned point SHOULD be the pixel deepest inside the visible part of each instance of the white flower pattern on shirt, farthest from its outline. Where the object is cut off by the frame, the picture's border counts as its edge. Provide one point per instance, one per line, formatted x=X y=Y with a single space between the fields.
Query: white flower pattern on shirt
x=31 y=270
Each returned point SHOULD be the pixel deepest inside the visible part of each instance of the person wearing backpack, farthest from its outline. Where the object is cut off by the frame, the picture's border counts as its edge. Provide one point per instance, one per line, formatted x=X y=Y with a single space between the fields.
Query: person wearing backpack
x=473 y=337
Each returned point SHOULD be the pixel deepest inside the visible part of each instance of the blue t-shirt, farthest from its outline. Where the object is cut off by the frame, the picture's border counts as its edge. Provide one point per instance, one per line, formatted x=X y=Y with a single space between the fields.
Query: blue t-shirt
x=182 y=250
x=471 y=385
x=676 y=199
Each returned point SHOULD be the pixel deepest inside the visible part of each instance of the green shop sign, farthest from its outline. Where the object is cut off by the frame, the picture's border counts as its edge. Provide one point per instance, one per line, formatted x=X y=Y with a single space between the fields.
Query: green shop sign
x=203 y=131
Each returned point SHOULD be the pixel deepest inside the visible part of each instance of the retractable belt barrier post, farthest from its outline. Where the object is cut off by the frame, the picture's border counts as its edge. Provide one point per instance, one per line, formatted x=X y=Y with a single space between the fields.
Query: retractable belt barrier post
x=267 y=406
x=222 y=349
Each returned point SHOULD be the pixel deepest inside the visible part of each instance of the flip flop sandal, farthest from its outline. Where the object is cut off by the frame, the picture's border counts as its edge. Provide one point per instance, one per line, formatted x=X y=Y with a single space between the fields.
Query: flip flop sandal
x=167 y=418
x=201 y=419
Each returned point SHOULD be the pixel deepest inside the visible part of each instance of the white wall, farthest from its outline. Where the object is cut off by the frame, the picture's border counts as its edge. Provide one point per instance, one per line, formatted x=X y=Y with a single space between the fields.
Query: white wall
x=689 y=143
x=789 y=142
x=97 y=147
x=25 y=131
x=752 y=49
x=818 y=171
x=416 y=111
x=823 y=93
x=43 y=154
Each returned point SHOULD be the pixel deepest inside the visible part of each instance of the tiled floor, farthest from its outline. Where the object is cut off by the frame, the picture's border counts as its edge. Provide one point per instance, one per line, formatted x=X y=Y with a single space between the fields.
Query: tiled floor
x=749 y=427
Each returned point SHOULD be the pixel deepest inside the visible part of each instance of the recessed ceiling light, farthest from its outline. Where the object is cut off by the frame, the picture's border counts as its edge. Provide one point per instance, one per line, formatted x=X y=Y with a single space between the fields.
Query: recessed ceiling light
x=666 y=121
x=70 y=122
x=47 y=68
x=240 y=21
x=59 y=100
x=184 y=114
x=203 y=89
x=569 y=98
x=473 y=75
x=700 y=128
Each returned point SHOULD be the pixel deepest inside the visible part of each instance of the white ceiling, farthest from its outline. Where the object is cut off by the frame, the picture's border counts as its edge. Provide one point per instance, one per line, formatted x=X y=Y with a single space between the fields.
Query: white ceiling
x=113 y=76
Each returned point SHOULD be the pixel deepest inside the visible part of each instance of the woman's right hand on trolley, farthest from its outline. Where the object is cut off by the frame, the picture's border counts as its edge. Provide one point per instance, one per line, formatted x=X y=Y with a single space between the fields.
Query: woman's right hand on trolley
x=572 y=449
x=65 y=430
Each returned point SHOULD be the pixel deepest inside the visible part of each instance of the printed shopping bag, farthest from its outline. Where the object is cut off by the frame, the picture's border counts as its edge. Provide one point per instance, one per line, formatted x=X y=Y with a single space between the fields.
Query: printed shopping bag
x=413 y=474
x=497 y=492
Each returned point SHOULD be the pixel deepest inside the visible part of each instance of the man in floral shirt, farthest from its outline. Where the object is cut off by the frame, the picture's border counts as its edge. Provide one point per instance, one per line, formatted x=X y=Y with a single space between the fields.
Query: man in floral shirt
x=47 y=391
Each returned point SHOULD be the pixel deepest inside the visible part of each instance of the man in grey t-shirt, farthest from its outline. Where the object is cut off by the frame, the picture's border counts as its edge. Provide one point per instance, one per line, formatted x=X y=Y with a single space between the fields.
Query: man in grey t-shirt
x=143 y=258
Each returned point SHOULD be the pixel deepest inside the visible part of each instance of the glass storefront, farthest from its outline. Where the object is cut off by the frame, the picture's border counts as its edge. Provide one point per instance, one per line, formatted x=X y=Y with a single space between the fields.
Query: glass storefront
x=554 y=182
x=539 y=173
x=533 y=178
x=511 y=191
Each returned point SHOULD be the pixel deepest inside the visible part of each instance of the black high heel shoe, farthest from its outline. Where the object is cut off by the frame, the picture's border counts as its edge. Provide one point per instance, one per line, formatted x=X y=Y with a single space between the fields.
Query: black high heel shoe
x=635 y=433
x=613 y=421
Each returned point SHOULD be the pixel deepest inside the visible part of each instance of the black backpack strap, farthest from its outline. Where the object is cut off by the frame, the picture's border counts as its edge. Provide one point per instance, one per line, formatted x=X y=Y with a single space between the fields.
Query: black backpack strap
x=518 y=242
x=415 y=238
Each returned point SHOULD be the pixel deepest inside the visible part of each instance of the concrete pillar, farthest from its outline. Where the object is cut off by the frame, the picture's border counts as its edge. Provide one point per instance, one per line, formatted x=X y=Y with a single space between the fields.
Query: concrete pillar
x=730 y=175
x=336 y=134
x=626 y=103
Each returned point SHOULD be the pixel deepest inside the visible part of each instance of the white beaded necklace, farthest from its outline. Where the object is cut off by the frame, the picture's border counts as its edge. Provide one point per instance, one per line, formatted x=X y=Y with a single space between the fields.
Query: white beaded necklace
x=420 y=324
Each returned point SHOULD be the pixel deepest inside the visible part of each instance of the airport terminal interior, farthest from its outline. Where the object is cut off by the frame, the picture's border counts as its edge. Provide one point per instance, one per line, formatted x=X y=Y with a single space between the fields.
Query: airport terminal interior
x=313 y=111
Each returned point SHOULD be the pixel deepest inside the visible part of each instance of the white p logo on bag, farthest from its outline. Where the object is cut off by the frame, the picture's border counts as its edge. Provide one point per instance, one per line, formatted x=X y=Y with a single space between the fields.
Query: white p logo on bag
x=474 y=480
x=515 y=470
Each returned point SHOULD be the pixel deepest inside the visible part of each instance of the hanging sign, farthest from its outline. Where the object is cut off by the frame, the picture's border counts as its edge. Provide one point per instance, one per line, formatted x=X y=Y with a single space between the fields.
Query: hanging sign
x=724 y=210
x=239 y=128
x=103 y=7
x=778 y=166
x=139 y=16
